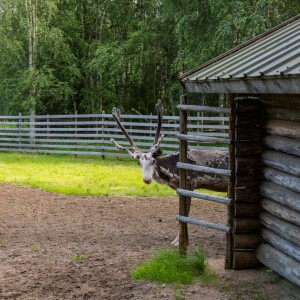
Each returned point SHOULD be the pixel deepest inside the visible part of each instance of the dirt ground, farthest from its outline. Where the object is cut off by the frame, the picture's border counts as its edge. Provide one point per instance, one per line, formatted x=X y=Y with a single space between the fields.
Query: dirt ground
x=70 y=247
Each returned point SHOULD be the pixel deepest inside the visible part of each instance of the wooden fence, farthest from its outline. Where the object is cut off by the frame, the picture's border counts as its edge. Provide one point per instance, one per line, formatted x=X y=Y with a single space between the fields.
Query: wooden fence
x=90 y=134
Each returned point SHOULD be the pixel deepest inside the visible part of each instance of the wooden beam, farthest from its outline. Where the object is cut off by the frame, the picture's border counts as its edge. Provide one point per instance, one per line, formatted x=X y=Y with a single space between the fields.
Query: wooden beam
x=246 y=180
x=204 y=139
x=281 y=244
x=248 y=105
x=183 y=209
x=281 y=178
x=283 y=128
x=283 y=144
x=272 y=99
x=230 y=190
x=246 y=225
x=281 y=161
x=281 y=211
x=244 y=241
x=281 y=113
x=247 y=165
x=247 y=147
x=285 y=229
x=280 y=195
x=247 y=210
x=203 y=169
x=244 y=260
x=202 y=223
x=246 y=194
x=197 y=108
x=279 y=262
x=202 y=196
x=248 y=134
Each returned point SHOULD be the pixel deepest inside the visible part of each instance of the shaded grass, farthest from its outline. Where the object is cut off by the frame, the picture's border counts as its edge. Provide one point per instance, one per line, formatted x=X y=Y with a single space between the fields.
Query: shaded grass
x=81 y=175
x=169 y=266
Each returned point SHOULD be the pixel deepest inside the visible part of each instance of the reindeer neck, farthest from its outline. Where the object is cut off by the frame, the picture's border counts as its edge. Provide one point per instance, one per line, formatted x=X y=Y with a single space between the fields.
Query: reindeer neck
x=165 y=171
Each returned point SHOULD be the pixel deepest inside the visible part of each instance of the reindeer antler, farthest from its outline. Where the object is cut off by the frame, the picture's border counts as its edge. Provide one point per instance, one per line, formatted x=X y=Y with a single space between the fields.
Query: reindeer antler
x=160 y=113
x=117 y=116
x=158 y=137
x=157 y=140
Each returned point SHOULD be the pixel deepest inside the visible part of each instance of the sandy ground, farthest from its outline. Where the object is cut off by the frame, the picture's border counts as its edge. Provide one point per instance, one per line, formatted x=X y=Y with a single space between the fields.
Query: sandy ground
x=70 y=247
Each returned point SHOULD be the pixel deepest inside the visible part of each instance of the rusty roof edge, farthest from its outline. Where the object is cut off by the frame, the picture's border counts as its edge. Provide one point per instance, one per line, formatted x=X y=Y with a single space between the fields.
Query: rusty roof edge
x=237 y=48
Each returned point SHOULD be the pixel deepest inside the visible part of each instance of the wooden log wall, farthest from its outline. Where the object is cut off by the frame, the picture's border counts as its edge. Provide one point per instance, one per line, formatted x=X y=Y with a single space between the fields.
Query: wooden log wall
x=280 y=187
x=246 y=157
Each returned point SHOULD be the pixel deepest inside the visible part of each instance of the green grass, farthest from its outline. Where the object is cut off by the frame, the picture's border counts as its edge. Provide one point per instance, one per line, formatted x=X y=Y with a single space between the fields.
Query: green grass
x=79 y=257
x=81 y=175
x=169 y=266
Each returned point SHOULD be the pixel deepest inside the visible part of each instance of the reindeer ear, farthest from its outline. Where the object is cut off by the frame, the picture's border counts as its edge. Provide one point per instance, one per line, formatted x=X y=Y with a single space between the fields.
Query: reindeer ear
x=157 y=153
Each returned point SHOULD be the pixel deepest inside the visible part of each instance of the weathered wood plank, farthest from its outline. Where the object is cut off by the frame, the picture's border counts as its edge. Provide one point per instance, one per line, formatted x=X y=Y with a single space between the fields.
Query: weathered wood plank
x=246 y=225
x=183 y=200
x=246 y=241
x=247 y=147
x=281 y=113
x=202 y=223
x=199 y=138
x=202 y=196
x=198 y=108
x=281 y=211
x=281 y=195
x=281 y=100
x=247 y=165
x=281 y=161
x=281 y=244
x=230 y=190
x=283 y=228
x=246 y=194
x=203 y=169
x=248 y=104
x=247 y=210
x=246 y=180
x=244 y=260
x=283 y=144
x=281 y=178
x=284 y=265
x=248 y=134
x=283 y=128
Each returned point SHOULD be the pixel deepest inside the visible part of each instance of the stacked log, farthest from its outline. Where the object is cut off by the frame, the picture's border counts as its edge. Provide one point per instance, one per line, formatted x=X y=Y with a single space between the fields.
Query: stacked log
x=248 y=132
x=280 y=188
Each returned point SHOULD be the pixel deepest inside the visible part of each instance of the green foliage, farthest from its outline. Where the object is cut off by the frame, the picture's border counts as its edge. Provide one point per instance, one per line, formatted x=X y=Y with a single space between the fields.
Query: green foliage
x=169 y=266
x=92 y=55
x=79 y=257
x=3 y=244
x=35 y=248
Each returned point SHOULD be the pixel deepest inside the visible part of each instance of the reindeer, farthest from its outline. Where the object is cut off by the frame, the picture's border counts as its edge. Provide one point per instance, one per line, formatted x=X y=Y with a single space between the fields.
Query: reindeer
x=163 y=169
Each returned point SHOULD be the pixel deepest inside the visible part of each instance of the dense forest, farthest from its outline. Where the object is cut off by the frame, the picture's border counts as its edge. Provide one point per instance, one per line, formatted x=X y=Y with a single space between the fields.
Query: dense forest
x=61 y=56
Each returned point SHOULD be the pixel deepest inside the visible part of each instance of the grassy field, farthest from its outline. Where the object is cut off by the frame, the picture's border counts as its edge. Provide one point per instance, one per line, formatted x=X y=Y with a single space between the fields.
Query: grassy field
x=79 y=175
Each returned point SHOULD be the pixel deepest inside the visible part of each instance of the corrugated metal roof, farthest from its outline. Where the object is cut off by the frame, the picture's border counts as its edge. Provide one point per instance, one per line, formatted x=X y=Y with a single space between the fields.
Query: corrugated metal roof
x=274 y=54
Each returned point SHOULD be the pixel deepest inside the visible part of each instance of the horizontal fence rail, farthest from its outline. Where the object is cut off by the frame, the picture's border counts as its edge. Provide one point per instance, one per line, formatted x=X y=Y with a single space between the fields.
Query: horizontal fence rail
x=90 y=134
x=202 y=223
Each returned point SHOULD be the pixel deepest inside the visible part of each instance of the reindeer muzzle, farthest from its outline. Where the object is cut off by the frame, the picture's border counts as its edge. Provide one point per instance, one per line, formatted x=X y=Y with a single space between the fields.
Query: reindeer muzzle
x=147 y=180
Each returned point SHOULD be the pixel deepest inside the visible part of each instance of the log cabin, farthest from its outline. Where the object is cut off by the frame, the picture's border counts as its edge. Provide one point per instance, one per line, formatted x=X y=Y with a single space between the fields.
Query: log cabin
x=262 y=81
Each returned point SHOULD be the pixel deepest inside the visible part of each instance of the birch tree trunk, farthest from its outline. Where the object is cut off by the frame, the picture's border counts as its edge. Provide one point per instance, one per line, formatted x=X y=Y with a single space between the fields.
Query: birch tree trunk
x=31 y=14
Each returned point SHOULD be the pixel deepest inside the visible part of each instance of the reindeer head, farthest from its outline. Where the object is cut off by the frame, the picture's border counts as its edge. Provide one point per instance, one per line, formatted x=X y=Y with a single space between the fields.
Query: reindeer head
x=146 y=159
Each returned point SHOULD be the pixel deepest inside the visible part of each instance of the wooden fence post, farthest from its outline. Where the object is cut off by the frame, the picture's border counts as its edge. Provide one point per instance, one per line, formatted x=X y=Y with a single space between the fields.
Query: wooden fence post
x=183 y=229
x=102 y=139
x=19 y=130
x=32 y=131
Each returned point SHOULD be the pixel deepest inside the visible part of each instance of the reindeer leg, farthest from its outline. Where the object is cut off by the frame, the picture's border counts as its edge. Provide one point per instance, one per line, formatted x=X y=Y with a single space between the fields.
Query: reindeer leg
x=188 y=206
